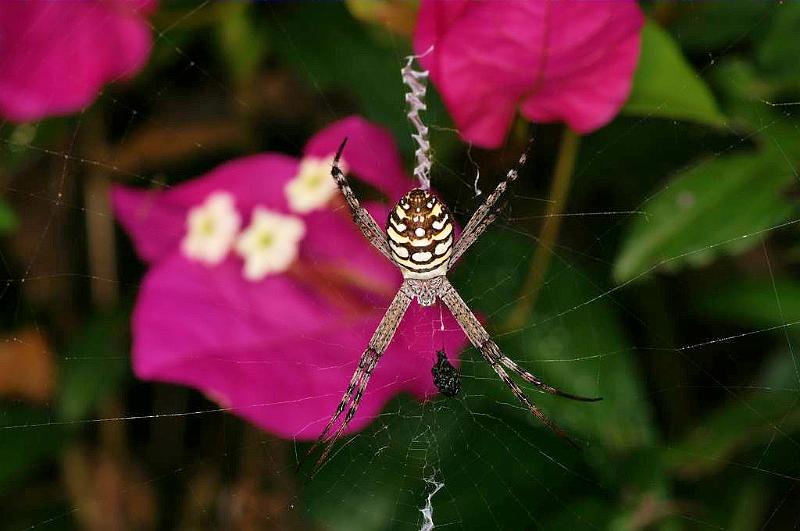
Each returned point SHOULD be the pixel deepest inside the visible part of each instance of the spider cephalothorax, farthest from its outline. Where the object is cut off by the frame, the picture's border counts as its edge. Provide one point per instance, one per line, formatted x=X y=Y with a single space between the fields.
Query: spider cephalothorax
x=420 y=235
x=419 y=240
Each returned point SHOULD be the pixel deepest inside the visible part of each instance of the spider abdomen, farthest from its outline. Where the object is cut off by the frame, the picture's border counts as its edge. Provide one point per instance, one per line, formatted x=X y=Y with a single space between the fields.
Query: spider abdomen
x=420 y=234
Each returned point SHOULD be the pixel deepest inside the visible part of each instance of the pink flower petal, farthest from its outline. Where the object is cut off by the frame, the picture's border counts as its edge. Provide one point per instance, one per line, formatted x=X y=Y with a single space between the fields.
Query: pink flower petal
x=348 y=252
x=371 y=154
x=281 y=351
x=156 y=220
x=567 y=60
x=274 y=351
x=56 y=56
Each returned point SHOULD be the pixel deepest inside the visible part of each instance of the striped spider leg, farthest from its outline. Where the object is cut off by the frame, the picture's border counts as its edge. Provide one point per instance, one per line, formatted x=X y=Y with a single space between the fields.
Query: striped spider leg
x=419 y=240
x=369 y=359
x=487 y=212
x=479 y=337
x=363 y=219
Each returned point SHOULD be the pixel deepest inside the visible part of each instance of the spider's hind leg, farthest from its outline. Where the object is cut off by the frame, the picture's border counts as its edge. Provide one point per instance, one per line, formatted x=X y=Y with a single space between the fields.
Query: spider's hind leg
x=479 y=337
x=358 y=383
x=516 y=390
x=530 y=378
x=358 y=375
x=371 y=358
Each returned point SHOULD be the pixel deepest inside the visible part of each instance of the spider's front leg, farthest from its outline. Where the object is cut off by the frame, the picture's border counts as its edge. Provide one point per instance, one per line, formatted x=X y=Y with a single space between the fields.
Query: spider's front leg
x=369 y=360
x=487 y=212
x=369 y=228
x=491 y=352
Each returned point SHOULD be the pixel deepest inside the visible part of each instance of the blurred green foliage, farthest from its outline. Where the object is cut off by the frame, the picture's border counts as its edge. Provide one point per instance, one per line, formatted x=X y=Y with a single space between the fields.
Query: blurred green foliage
x=690 y=221
x=8 y=220
x=673 y=292
x=666 y=85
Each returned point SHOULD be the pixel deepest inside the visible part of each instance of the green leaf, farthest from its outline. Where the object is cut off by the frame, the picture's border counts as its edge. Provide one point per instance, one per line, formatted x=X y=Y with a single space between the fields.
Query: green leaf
x=398 y=15
x=371 y=74
x=750 y=302
x=750 y=421
x=704 y=27
x=94 y=366
x=242 y=46
x=8 y=220
x=778 y=52
x=665 y=85
x=742 y=93
x=501 y=467
x=765 y=416
x=720 y=205
x=496 y=472
x=341 y=55
x=23 y=445
x=574 y=341
x=749 y=508
x=374 y=461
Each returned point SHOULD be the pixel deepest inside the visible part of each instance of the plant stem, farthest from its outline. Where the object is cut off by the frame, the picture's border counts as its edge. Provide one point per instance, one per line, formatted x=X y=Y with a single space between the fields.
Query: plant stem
x=559 y=191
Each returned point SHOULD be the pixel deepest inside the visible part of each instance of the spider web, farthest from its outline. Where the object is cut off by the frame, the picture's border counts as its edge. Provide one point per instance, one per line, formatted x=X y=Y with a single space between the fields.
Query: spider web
x=666 y=368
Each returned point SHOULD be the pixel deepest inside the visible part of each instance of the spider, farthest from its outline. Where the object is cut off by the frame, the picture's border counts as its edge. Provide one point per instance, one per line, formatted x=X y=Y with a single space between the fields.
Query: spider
x=419 y=239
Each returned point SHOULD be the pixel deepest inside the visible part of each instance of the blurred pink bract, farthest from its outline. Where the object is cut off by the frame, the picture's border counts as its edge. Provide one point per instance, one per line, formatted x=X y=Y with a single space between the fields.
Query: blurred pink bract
x=56 y=55
x=570 y=61
x=279 y=351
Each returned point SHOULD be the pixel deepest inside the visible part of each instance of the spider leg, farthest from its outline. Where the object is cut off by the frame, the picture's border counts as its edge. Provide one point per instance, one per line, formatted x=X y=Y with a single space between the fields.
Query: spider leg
x=369 y=227
x=356 y=400
x=487 y=212
x=520 y=395
x=369 y=360
x=530 y=378
x=365 y=360
x=479 y=337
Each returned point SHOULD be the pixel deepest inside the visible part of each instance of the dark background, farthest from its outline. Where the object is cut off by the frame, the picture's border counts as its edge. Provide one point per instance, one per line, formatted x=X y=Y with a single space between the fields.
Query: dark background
x=687 y=323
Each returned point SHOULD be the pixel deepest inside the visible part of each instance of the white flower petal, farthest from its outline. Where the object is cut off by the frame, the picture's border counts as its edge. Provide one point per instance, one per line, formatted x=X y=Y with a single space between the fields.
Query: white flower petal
x=270 y=244
x=313 y=187
x=211 y=229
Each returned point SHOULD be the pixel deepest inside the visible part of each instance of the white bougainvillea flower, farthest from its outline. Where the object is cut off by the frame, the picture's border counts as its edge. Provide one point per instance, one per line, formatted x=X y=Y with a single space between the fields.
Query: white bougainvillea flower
x=270 y=244
x=312 y=188
x=211 y=229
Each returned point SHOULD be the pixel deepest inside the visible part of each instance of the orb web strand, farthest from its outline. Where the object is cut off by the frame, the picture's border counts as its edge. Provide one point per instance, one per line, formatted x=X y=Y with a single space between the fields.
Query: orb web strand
x=416 y=80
